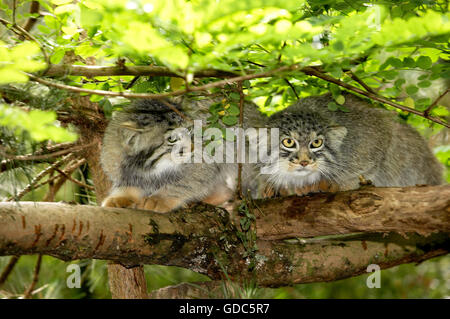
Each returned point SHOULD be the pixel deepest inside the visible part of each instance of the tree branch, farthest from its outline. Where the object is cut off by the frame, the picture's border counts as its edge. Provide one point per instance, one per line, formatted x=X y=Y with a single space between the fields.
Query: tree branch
x=229 y=78
x=203 y=238
x=60 y=70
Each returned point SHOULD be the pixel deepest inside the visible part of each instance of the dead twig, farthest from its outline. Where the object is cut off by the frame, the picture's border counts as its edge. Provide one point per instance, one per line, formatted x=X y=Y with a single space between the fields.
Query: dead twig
x=73 y=180
x=359 y=81
x=32 y=185
x=37 y=268
x=428 y=110
x=8 y=269
x=241 y=123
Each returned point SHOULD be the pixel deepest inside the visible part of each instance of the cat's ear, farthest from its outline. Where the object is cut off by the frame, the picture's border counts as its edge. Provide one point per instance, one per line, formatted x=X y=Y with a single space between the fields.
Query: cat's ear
x=337 y=134
x=128 y=133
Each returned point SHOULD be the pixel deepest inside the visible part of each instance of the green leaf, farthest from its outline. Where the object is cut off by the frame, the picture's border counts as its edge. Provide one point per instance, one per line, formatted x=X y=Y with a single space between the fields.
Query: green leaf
x=424 y=62
x=41 y=125
x=340 y=99
x=336 y=72
x=426 y=101
x=397 y=63
x=89 y=17
x=57 y=56
x=343 y=108
x=398 y=83
x=422 y=77
x=335 y=90
x=389 y=75
x=229 y=120
x=412 y=89
x=215 y=108
x=424 y=84
x=234 y=96
x=107 y=107
x=409 y=62
x=338 y=46
x=332 y=106
x=213 y=118
x=233 y=110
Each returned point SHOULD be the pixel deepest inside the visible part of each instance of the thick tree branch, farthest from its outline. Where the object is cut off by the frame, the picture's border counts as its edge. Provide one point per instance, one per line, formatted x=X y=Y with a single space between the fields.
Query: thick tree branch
x=203 y=238
x=421 y=209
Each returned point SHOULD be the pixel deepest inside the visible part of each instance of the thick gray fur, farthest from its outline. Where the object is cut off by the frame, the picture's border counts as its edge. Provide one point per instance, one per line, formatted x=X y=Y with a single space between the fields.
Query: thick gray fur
x=136 y=151
x=366 y=141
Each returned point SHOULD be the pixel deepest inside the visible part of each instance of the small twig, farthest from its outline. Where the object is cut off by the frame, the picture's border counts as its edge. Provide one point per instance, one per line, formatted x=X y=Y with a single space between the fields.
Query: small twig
x=68 y=169
x=292 y=87
x=36 y=156
x=73 y=180
x=22 y=32
x=34 y=8
x=173 y=108
x=53 y=188
x=360 y=82
x=8 y=269
x=428 y=110
x=241 y=124
x=30 y=158
x=166 y=94
x=14 y=12
x=313 y=71
x=132 y=82
x=61 y=70
x=37 y=268
x=32 y=185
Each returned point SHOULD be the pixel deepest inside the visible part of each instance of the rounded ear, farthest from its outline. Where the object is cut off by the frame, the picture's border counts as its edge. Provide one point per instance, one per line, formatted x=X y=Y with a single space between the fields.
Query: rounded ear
x=128 y=133
x=337 y=135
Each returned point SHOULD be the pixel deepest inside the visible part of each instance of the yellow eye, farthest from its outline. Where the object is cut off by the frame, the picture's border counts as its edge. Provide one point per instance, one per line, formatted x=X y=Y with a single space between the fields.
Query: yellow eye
x=317 y=143
x=288 y=142
x=172 y=139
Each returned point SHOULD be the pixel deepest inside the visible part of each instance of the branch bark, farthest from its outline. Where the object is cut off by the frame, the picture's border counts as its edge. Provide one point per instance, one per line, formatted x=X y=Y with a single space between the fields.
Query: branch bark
x=203 y=238
x=59 y=70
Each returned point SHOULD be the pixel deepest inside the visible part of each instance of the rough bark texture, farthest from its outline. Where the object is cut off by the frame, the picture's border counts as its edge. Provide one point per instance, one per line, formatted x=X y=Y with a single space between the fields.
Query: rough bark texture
x=127 y=283
x=204 y=239
x=422 y=210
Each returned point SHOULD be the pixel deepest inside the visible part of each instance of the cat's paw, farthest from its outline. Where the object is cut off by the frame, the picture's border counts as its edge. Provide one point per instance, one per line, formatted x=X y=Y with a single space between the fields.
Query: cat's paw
x=158 y=204
x=364 y=182
x=119 y=201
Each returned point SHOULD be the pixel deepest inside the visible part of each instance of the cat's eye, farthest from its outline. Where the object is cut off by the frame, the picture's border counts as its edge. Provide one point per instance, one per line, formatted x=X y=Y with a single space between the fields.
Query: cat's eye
x=288 y=142
x=172 y=139
x=316 y=143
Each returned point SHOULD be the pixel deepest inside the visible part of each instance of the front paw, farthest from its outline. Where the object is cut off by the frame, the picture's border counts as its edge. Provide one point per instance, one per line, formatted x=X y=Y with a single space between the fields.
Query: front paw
x=158 y=204
x=364 y=182
x=119 y=201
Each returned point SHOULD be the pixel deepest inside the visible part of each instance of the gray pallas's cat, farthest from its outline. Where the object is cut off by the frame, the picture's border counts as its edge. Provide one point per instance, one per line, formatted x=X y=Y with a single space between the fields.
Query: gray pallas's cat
x=137 y=156
x=329 y=150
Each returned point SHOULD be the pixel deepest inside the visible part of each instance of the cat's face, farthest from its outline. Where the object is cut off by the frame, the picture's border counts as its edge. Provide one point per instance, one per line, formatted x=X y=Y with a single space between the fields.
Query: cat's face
x=155 y=141
x=308 y=145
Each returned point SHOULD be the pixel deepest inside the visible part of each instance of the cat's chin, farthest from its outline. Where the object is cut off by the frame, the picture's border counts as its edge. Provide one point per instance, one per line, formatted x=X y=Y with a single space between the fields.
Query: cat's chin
x=287 y=179
x=303 y=172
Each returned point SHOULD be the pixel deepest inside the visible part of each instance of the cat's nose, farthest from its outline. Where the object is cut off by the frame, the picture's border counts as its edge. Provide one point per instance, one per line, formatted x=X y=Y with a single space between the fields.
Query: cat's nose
x=304 y=163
